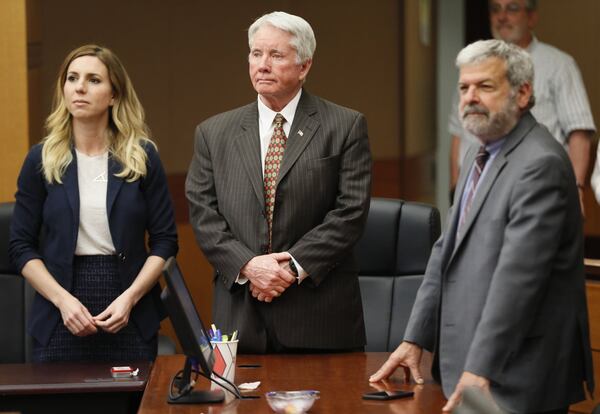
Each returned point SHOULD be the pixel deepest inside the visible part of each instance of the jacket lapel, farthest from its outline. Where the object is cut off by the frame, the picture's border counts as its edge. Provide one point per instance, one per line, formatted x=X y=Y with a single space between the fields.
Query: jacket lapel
x=450 y=241
x=114 y=184
x=71 y=188
x=248 y=146
x=302 y=131
x=248 y=142
x=481 y=195
x=513 y=139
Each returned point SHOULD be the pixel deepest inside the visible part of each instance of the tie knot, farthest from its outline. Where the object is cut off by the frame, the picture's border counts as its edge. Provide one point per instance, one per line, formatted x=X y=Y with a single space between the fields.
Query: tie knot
x=482 y=157
x=279 y=120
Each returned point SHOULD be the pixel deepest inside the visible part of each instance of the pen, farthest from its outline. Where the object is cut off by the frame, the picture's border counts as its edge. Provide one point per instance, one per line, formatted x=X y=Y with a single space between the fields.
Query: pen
x=234 y=335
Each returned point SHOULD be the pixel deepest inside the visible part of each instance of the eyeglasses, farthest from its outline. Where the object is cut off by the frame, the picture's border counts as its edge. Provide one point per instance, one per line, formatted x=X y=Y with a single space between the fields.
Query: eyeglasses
x=510 y=8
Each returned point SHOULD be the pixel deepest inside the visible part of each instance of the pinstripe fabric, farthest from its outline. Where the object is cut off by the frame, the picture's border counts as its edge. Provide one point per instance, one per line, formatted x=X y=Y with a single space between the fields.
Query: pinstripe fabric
x=320 y=210
x=561 y=102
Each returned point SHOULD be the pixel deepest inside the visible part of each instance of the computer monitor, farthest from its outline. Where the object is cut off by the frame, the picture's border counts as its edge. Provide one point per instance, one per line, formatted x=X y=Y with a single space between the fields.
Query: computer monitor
x=192 y=336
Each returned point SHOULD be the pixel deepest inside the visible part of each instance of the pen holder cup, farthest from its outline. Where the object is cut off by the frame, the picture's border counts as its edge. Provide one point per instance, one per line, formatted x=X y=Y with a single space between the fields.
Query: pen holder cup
x=225 y=353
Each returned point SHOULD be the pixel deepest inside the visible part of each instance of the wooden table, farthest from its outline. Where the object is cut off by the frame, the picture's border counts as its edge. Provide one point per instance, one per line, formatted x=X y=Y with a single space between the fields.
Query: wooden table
x=341 y=379
x=70 y=388
x=592 y=269
x=592 y=275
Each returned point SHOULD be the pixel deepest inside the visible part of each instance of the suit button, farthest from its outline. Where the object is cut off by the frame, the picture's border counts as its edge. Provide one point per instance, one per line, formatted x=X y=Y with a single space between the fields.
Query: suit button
x=122 y=256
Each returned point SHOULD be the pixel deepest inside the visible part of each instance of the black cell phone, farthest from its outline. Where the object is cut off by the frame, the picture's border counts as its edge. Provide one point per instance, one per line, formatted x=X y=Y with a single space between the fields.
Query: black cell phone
x=387 y=395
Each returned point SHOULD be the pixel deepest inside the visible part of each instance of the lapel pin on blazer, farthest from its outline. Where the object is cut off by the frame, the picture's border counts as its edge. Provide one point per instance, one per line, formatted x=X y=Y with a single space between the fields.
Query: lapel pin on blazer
x=300 y=133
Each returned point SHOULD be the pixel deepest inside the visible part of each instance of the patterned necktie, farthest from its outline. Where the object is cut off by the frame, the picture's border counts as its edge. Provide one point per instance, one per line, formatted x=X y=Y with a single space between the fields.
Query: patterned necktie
x=480 y=161
x=272 y=163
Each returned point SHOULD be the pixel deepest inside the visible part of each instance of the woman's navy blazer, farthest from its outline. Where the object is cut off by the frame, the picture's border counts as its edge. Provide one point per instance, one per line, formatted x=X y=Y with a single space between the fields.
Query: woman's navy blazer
x=45 y=225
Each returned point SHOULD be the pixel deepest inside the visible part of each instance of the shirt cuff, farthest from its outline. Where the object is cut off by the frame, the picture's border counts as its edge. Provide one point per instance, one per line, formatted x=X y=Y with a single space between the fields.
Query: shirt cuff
x=241 y=280
x=301 y=272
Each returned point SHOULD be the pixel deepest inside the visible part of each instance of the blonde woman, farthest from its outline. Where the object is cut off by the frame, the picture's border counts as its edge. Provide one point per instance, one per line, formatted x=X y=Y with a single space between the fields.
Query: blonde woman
x=87 y=196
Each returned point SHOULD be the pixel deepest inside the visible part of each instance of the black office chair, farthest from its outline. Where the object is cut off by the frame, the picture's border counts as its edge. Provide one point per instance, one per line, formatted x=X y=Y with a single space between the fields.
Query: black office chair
x=392 y=256
x=15 y=299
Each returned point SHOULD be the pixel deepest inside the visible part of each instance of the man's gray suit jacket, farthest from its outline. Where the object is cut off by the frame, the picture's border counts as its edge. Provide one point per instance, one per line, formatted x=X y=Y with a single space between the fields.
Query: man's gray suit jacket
x=321 y=205
x=506 y=300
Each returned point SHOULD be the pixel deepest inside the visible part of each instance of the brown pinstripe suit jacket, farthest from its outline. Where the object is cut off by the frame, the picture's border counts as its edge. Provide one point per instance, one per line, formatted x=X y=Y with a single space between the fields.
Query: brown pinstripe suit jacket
x=321 y=206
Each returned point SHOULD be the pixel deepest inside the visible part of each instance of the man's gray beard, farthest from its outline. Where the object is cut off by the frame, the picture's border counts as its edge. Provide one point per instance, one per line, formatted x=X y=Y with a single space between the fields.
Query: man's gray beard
x=515 y=35
x=495 y=125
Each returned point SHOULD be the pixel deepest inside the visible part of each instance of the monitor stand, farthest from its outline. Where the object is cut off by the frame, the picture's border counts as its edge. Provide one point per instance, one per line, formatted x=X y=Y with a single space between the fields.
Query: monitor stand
x=199 y=397
x=194 y=397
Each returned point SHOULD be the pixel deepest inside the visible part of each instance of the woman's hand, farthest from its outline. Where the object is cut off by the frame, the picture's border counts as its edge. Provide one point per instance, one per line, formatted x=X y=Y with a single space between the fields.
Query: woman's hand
x=76 y=318
x=116 y=316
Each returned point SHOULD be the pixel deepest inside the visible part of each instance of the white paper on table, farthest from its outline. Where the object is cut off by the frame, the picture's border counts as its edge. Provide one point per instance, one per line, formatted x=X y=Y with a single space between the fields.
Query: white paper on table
x=249 y=386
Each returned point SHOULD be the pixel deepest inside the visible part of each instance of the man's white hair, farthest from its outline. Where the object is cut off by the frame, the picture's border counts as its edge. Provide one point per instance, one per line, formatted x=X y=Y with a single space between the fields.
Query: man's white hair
x=303 y=37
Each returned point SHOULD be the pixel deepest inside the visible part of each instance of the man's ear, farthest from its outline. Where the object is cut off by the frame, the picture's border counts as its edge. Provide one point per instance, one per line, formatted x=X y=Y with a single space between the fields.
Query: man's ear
x=524 y=94
x=304 y=68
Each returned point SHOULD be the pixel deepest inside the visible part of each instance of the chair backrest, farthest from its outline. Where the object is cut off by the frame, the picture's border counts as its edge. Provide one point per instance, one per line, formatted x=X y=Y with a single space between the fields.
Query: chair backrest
x=16 y=296
x=392 y=256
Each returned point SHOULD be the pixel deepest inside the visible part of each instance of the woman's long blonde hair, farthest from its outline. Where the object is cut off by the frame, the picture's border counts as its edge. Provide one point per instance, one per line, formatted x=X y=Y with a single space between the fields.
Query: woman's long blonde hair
x=127 y=130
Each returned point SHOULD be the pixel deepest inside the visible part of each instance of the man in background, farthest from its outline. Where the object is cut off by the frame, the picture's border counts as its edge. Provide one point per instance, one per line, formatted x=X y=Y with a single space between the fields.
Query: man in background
x=561 y=101
x=279 y=192
x=502 y=304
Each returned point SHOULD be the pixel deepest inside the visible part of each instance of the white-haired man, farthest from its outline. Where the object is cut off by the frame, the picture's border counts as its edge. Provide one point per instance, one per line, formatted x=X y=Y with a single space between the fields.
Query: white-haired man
x=279 y=192
x=503 y=304
x=561 y=101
